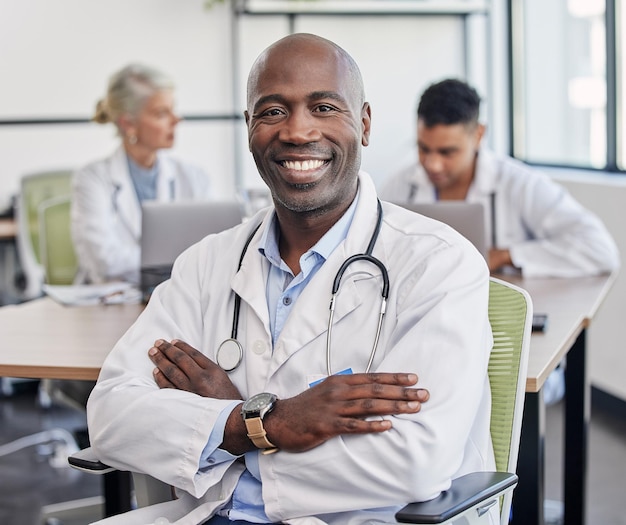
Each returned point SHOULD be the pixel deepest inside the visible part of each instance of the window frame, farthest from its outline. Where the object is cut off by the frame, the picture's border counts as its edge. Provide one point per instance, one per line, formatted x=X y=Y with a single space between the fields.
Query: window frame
x=615 y=161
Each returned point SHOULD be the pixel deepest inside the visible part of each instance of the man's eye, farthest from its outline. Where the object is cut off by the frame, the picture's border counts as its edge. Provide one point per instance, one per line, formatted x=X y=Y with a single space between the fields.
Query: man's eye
x=272 y=112
x=324 y=108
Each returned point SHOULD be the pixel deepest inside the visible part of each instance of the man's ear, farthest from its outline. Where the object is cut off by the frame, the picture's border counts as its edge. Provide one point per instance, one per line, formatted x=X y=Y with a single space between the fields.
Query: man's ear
x=479 y=133
x=366 y=121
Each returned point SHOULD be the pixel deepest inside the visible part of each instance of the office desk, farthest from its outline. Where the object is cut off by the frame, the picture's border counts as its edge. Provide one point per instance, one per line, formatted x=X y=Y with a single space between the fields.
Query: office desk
x=571 y=305
x=45 y=340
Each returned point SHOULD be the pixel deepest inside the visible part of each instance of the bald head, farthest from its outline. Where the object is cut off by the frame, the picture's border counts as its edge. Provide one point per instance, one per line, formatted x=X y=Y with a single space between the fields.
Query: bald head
x=298 y=47
x=307 y=122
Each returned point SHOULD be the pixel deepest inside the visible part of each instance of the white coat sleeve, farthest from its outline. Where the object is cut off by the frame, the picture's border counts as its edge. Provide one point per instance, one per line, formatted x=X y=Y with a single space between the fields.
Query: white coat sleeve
x=564 y=238
x=134 y=425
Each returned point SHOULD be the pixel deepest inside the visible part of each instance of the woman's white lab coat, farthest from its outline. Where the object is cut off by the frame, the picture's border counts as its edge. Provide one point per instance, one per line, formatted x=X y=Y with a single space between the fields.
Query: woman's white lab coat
x=106 y=213
x=548 y=233
x=436 y=326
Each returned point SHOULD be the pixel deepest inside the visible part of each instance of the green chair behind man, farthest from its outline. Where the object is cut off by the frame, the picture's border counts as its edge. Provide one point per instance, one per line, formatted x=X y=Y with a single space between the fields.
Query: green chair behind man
x=471 y=496
x=35 y=189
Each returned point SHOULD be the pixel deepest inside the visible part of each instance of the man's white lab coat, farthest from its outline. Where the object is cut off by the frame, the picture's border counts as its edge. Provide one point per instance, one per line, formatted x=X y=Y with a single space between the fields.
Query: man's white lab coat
x=436 y=326
x=106 y=213
x=548 y=233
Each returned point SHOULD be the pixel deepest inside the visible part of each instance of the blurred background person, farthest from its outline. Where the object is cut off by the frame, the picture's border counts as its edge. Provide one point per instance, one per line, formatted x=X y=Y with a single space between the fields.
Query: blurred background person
x=107 y=194
x=534 y=225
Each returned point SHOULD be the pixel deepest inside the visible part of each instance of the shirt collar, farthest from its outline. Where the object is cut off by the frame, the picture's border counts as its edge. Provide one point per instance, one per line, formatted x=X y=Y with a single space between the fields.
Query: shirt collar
x=268 y=245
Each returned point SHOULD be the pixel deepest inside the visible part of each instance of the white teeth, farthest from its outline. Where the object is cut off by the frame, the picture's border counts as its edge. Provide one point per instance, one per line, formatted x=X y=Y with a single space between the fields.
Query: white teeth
x=304 y=165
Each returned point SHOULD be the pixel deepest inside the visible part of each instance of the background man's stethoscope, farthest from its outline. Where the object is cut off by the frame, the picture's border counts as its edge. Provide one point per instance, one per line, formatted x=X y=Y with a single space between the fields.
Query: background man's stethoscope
x=230 y=352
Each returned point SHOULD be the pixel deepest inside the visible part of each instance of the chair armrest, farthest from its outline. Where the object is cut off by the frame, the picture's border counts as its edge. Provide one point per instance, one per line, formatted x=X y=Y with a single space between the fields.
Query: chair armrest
x=148 y=490
x=465 y=493
x=87 y=461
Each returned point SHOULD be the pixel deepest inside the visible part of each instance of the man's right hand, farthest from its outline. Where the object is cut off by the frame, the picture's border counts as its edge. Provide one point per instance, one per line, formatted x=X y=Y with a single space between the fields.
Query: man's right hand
x=341 y=404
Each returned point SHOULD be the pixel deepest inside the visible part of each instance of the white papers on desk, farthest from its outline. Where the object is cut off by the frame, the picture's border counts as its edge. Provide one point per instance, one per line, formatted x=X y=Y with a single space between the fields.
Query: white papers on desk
x=91 y=294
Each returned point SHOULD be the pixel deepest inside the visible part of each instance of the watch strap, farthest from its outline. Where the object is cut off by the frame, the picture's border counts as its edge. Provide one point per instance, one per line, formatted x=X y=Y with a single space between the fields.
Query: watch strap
x=258 y=436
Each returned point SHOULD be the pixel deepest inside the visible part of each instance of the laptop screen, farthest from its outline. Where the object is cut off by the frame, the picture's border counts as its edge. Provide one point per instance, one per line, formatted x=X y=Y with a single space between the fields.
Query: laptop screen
x=468 y=218
x=169 y=228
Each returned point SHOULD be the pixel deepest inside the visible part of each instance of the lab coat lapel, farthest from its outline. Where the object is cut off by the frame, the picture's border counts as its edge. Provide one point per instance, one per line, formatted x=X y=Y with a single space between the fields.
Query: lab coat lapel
x=125 y=200
x=485 y=185
x=309 y=319
x=486 y=175
x=249 y=282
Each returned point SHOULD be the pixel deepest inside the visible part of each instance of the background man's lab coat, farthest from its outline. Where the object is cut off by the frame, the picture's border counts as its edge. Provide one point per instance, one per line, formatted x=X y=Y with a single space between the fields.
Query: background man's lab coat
x=548 y=233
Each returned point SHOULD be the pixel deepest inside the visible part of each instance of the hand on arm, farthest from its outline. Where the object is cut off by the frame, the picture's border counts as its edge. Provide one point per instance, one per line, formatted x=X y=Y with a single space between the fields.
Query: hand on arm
x=338 y=405
x=341 y=404
x=179 y=365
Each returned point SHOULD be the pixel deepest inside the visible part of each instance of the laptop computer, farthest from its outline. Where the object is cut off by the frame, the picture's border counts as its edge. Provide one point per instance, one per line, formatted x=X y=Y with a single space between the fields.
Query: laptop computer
x=468 y=218
x=168 y=228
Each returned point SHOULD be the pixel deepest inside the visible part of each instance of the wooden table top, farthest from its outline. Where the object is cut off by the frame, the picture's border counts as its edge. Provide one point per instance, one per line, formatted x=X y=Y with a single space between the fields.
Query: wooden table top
x=571 y=304
x=43 y=339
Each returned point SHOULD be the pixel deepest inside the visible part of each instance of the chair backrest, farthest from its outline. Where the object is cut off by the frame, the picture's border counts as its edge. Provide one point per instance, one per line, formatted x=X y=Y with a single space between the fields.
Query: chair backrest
x=510 y=315
x=34 y=189
x=56 y=248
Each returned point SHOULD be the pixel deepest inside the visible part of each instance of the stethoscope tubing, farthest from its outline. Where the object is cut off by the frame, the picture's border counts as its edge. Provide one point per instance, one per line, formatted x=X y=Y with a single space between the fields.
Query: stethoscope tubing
x=231 y=361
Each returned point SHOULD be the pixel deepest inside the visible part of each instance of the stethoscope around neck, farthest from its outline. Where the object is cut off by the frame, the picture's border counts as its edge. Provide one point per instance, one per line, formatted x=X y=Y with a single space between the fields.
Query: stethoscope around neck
x=230 y=352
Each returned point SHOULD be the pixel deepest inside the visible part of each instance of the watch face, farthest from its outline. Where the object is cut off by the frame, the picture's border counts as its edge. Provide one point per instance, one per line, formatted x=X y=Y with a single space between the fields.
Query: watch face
x=259 y=403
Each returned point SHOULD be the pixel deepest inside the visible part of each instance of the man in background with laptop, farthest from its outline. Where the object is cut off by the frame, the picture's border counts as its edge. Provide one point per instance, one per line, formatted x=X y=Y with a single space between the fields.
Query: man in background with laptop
x=533 y=224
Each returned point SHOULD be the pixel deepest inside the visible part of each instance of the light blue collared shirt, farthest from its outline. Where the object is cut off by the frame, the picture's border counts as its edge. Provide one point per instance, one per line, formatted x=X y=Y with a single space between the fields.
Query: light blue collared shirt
x=282 y=291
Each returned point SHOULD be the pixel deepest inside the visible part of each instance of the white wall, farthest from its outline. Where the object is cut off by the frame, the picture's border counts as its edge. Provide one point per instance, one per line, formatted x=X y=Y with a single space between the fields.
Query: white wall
x=56 y=60
x=57 y=56
x=605 y=196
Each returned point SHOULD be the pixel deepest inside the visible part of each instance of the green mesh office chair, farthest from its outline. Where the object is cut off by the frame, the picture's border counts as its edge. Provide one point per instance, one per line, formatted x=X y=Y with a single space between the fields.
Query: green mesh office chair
x=471 y=496
x=34 y=190
x=56 y=249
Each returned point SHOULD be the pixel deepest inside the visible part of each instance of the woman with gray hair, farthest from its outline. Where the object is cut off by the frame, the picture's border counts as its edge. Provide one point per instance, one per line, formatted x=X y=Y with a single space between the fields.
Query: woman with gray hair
x=107 y=194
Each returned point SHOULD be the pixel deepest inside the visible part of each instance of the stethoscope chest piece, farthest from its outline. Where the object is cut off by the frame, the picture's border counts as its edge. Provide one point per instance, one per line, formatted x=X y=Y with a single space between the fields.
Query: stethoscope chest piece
x=229 y=354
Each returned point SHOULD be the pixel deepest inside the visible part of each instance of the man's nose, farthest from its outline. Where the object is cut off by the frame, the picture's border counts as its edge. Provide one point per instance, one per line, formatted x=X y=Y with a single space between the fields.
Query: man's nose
x=300 y=127
x=432 y=163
